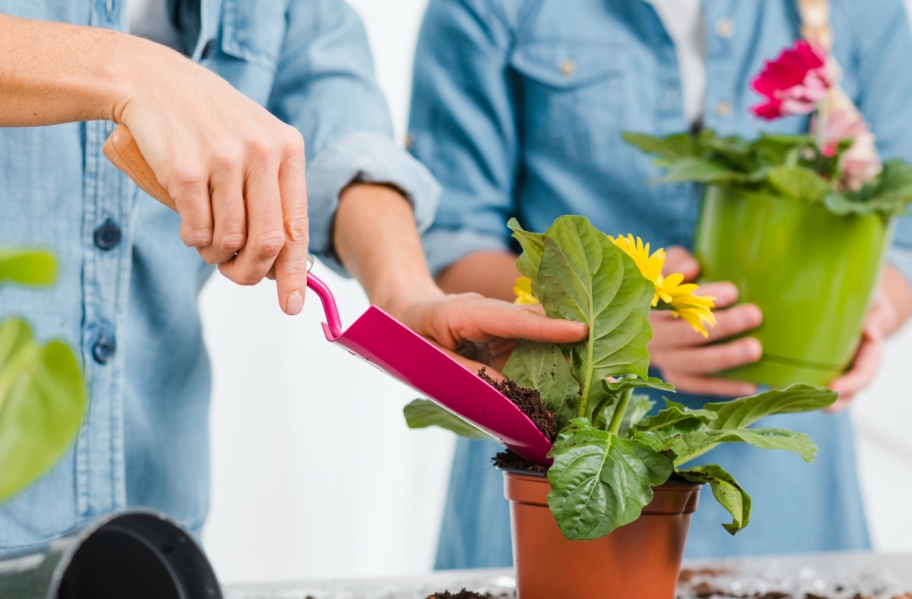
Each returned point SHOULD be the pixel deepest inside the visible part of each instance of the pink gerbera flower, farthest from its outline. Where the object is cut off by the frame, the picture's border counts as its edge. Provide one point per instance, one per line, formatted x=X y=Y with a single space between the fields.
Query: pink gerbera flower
x=794 y=83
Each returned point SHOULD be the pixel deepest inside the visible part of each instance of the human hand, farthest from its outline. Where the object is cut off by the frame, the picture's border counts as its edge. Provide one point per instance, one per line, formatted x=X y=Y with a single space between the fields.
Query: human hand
x=890 y=308
x=687 y=359
x=479 y=331
x=234 y=172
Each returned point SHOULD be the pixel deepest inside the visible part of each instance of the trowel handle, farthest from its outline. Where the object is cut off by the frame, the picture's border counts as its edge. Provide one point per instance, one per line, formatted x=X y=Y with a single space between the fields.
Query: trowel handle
x=122 y=151
x=333 y=326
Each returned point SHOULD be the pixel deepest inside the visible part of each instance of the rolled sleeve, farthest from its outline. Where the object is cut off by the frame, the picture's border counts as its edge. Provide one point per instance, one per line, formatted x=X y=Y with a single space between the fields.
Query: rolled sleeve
x=445 y=246
x=368 y=158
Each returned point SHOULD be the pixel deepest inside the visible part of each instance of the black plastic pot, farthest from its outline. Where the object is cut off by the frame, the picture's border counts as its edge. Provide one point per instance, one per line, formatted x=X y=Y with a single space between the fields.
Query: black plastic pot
x=129 y=555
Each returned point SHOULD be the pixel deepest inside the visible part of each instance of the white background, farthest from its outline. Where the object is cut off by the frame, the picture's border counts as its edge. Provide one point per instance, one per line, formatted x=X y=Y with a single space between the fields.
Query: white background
x=315 y=474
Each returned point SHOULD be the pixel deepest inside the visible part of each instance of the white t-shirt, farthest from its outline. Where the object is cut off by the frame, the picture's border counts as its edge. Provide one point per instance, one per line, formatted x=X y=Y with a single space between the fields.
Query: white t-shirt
x=149 y=19
x=683 y=19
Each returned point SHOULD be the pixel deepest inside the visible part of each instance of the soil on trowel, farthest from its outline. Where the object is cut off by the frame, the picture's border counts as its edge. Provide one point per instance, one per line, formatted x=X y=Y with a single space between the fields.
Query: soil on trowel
x=507 y=460
x=527 y=400
x=463 y=594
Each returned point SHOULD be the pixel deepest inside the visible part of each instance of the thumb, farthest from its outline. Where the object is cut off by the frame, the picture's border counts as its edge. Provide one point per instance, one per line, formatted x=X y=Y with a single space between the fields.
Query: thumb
x=679 y=260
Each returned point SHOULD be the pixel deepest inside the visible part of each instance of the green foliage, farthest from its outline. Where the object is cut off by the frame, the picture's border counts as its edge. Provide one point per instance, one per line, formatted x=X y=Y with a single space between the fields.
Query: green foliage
x=790 y=166
x=600 y=481
x=42 y=392
x=422 y=413
x=27 y=267
x=609 y=452
x=727 y=492
x=42 y=399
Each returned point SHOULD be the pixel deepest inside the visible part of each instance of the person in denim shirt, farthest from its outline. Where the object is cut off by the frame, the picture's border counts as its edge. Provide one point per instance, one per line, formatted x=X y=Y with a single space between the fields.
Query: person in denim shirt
x=518 y=109
x=233 y=160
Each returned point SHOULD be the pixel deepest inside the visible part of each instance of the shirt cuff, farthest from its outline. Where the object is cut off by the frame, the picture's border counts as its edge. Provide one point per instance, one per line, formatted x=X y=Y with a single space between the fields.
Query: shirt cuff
x=446 y=246
x=368 y=158
x=901 y=258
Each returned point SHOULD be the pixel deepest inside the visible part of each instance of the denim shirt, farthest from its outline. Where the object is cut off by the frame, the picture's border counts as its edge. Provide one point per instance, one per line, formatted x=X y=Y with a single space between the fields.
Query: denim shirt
x=126 y=296
x=519 y=110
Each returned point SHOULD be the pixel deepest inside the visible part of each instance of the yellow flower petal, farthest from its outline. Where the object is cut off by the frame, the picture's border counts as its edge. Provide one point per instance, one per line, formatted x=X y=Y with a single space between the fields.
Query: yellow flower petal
x=650 y=266
x=694 y=309
x=523 y=291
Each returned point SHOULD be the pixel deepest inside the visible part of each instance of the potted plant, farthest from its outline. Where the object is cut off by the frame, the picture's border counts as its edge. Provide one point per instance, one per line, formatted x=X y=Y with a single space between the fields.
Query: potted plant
x=609 y=516
x=793 y=219
x=42 y=391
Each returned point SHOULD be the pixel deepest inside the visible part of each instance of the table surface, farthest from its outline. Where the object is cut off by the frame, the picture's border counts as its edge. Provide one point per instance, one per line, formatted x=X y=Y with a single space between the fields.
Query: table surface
x=827 y=575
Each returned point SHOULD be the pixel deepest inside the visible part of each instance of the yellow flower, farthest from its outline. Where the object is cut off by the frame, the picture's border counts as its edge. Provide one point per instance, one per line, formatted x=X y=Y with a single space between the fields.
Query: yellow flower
x=523 y=291
x=650 y=266
x=694 y=309
x=674 y=296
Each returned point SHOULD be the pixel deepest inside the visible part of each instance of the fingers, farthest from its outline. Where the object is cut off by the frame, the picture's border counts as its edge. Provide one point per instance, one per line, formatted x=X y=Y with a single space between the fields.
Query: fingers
x=671 y=332
x=860 y=375
x=678 y=259
x=725 y=293
x=706 y=385
x=189 y=188
x=500 y=319
x=714 y=358
x=228 y=214
x=291 y=263
x=265 y=231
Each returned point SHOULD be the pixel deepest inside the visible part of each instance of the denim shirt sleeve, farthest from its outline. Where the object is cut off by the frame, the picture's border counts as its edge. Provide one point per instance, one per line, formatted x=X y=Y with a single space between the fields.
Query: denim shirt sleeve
x=884 y=40
x=325 y=87
x=462 y=126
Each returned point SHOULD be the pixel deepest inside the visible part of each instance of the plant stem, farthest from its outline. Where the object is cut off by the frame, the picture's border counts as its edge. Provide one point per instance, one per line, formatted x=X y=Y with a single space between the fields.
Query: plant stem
x=619 y=411
x=822 y=117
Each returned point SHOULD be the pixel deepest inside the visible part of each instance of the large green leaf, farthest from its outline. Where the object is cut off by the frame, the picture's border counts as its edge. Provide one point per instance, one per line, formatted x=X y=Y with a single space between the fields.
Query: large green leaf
x=586 y=278
x=599 y=481
x=639 y=406
x=673 y=416
x=42 y=400
x=800 y=183
x=686 y=446
x=740 y=413
x=727 y=492
x=700 y=170
x=679 y=145
x=422 y=413
x=542 y=366
x=611 y=393
x=29 y=267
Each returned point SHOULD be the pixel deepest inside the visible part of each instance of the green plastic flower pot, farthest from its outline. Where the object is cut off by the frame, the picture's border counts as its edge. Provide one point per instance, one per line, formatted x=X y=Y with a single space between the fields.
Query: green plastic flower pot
x=811 y=272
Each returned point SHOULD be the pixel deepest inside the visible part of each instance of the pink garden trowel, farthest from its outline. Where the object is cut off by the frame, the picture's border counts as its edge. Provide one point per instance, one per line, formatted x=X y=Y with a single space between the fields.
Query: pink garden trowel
x=383 y=341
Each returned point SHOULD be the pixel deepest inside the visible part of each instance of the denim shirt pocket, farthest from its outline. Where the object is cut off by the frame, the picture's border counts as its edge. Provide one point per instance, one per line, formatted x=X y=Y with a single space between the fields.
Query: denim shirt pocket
x=570 y=96
x=254 y=31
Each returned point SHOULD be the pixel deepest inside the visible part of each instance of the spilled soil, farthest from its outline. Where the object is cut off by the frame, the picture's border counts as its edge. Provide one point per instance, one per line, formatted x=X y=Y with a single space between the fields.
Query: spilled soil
x=463 y=594
x=527 y=400
x=507 y=460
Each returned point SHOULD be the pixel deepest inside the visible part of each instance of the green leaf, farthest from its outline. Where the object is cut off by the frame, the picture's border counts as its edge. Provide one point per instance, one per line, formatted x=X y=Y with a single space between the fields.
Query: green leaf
x=672 y=416
x=586 y=278
x=680 y=145
x=625 y=384
x=422 y=413
x=727 y=492
x=639 y=406
x=611 y=393
x=542 y=366
x=533 y=246
x=700 y=170
x=29 y=267
x=799 y=183
x=740 y=413
x=890 y=195
x=42 y=401
x=599 y=481
x=687 y=446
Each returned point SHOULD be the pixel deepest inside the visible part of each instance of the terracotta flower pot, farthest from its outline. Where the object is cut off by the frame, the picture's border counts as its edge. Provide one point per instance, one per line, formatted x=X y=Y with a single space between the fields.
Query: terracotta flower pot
x=641 y=560
x=811 y=272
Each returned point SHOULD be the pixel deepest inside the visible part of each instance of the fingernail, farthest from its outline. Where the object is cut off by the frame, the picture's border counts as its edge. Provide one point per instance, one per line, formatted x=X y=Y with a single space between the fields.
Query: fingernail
x=753 y=350
x=689 y=265
x=747 y=390
x=753 y=316
x=294 y=304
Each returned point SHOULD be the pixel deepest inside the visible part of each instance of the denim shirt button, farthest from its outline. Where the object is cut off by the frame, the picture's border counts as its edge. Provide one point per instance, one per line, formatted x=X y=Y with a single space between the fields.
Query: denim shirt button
x=104 y=349
x=107 y=236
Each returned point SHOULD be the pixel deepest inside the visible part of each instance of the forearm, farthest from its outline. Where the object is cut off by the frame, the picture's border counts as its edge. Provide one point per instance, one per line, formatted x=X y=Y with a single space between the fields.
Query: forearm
x=55 y=73
x=375 y=238
x=492 y=274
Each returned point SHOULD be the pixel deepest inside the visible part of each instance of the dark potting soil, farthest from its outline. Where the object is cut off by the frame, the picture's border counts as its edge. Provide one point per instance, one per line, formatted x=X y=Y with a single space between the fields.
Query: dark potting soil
x=507 y=460
x=463 y=594
x=705 y=590
x=527 y=400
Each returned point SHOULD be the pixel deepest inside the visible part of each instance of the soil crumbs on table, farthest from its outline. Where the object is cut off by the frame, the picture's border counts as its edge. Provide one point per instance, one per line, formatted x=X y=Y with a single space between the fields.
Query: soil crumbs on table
x=527 y=400
x=463 y=594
